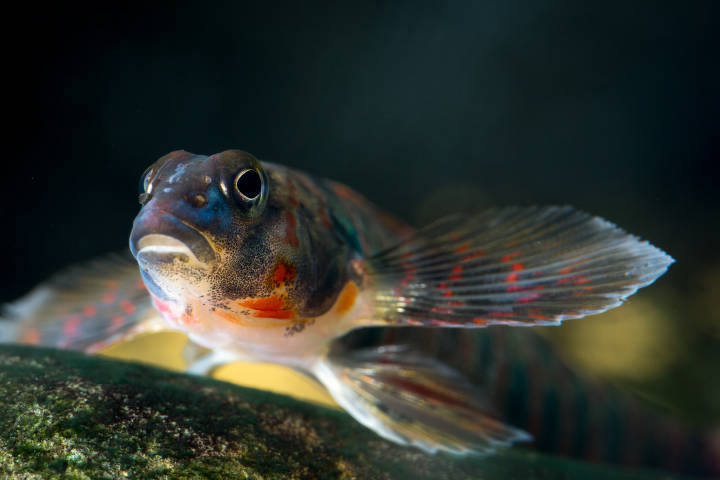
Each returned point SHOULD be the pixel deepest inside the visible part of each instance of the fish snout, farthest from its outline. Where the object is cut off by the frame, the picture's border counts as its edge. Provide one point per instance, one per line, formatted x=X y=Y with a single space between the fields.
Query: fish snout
x=159 y=237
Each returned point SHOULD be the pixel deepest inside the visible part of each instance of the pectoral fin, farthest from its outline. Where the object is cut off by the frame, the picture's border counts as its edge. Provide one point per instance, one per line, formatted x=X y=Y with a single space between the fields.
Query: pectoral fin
x=412 y=400
x=86 y=307
x=513 y=266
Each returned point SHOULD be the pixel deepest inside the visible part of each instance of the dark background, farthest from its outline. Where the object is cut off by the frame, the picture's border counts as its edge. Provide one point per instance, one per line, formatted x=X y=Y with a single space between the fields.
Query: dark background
x=423 y=107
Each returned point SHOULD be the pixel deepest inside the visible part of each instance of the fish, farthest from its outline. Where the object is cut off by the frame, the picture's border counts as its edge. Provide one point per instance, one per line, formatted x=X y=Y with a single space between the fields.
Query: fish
x=415 y=332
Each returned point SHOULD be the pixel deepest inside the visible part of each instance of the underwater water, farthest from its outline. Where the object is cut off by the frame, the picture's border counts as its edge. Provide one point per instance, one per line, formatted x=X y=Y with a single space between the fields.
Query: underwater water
x=426 y=110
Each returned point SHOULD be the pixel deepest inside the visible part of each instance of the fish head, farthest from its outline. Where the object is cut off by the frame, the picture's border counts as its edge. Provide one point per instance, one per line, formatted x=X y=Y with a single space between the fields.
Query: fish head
x=221 y=234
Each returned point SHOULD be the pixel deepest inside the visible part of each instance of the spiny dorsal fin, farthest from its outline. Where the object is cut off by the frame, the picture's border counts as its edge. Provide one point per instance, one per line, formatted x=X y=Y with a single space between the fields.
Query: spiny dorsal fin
x=85 y=307
x=512 y=266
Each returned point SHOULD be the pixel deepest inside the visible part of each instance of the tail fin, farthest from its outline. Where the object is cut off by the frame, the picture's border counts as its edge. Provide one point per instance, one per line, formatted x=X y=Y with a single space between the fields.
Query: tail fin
x=86 y=307
x=512 y=266
x=413 y=400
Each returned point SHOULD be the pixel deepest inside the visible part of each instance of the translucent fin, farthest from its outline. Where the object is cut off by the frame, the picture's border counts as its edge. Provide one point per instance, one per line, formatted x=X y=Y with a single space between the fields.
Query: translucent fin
x=413 y=400
x=86 y=307
x=512 y=266
x=203 y=361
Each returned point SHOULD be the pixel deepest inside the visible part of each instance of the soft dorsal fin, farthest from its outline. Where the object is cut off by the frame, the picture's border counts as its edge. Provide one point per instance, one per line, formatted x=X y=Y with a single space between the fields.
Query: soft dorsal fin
x=85 y=307
x=512 y=266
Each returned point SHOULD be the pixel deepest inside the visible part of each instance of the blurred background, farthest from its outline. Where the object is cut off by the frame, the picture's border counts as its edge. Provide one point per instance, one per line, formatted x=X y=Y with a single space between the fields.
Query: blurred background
x=424 y=107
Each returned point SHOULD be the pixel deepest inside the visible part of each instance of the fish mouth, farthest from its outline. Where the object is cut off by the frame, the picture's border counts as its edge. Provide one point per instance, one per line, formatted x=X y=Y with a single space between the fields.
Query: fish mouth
x=162 y=237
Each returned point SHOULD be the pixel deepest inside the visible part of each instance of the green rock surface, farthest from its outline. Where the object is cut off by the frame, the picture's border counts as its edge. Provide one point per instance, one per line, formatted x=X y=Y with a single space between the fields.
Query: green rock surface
x=71 y=416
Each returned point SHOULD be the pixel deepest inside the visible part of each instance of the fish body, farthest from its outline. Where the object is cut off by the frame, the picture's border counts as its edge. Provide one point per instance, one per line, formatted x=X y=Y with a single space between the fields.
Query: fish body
x=411 y=331
x=294 y=284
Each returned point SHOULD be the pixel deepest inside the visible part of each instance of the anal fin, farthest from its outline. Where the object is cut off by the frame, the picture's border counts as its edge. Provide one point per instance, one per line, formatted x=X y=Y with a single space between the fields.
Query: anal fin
x=414 y=400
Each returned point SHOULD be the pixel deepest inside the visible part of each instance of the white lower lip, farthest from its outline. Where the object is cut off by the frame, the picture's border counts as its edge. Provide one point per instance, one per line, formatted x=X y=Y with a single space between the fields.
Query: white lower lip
x=164 y=245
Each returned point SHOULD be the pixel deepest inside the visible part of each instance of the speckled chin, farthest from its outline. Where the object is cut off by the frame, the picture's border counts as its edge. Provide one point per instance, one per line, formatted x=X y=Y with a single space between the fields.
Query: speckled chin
x=171 y=268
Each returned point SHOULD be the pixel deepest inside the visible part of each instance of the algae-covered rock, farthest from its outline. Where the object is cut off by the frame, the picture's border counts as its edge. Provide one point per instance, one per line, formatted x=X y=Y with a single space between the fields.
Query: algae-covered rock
x=68 y=415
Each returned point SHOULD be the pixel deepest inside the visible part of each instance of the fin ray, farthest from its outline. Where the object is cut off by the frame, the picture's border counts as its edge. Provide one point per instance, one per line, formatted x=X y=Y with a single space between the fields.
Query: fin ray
x=415 y=400
x=515 y=266
x=86 y=307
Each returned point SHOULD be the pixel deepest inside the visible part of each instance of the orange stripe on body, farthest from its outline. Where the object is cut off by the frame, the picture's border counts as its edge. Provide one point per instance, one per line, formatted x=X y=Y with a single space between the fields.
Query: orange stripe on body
x=268 y=307
x=346 y=299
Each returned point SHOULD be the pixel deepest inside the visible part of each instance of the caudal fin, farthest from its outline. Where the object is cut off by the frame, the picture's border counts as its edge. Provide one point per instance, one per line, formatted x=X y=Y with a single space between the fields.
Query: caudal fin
x=413 y=400
x=512 y=266
x=86 y=307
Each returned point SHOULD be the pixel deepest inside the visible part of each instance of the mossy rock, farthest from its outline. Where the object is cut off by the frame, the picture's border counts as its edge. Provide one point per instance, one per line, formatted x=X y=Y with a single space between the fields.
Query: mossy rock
x=71 y=416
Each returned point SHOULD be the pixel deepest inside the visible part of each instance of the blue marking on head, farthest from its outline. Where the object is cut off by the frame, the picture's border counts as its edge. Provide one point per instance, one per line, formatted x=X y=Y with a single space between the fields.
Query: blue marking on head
x=177 y=175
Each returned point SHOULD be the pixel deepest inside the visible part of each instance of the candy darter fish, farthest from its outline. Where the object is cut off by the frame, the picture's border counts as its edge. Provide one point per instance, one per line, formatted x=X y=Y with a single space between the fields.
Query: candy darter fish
x=407 y=329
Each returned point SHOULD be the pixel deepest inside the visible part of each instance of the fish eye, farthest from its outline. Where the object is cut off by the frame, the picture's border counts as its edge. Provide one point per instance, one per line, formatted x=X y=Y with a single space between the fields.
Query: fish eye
x=146 y=185
x=248 y=184
x=146 y=180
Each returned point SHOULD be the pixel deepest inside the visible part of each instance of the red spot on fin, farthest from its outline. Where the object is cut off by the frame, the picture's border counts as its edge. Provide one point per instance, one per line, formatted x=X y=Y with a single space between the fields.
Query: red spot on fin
x=510 y=256
x=462 y=248
x=528 y=298
x=127 y=306
x=70 y=327
x=433 y=395
x=108 y=298
x=535 y=313
x=473 y=256
x=456 y=273
x=575 y=279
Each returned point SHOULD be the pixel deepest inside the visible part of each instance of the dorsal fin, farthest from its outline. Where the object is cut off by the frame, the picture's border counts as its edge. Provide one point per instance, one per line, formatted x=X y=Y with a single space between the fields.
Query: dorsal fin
x=512 y=266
